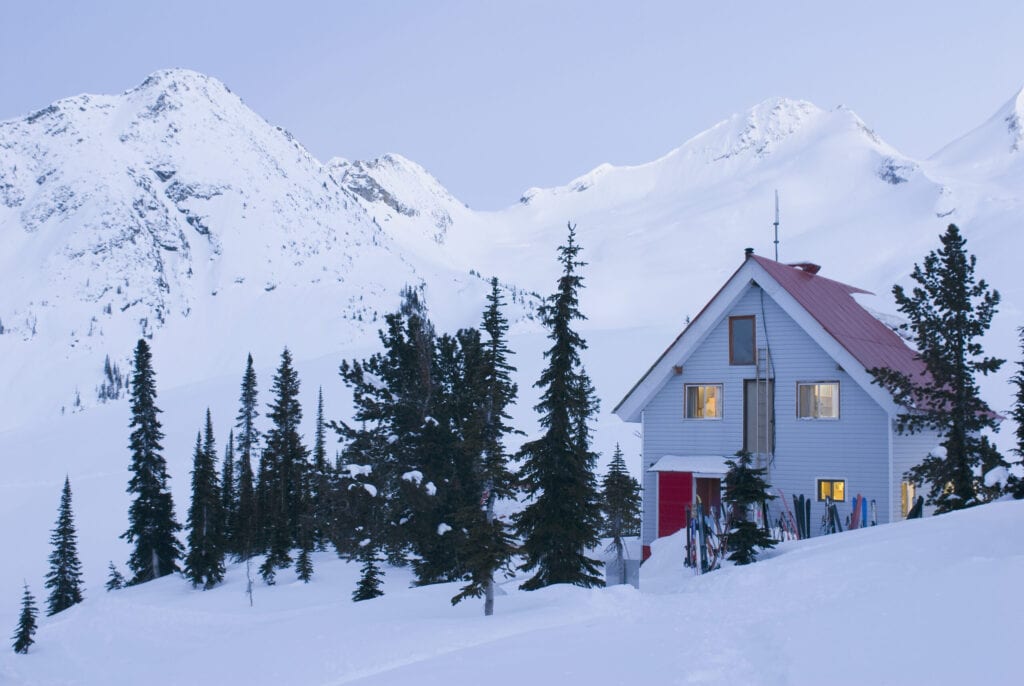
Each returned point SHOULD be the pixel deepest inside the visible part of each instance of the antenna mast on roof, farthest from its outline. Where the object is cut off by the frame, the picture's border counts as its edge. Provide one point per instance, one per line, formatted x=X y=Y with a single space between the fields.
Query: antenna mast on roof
x=776 y=225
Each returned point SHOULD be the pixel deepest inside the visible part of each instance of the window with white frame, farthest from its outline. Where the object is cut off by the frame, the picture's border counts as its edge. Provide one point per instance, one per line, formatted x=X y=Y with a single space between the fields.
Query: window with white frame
x=703 y=401
x=817 y=400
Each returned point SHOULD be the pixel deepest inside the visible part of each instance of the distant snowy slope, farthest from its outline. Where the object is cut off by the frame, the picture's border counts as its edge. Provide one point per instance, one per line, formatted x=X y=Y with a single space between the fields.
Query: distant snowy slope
x=173 y=210
x=929 y=601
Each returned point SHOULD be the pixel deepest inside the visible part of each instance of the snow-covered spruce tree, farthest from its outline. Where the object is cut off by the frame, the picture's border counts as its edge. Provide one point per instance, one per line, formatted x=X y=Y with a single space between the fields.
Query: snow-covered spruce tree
x=1016 y=484
x=745 y=486
x=393 y=397
x=948 y=311
x=151 y=523
x=285 y=469
x=620 y=502
x=489 y=546
x=204 y=563
x=65 y=576
x=446 y=450
x=115 y=579
x=564 y=518
x=228 y=494
x=24 y=635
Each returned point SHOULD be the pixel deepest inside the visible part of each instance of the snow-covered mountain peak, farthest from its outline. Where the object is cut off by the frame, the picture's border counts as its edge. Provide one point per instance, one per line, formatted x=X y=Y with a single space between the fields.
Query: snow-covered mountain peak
x=756 y=132
x=991 y=154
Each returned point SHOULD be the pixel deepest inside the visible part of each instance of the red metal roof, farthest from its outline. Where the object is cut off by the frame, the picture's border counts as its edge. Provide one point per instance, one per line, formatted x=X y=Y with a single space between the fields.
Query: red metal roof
x=831 y=303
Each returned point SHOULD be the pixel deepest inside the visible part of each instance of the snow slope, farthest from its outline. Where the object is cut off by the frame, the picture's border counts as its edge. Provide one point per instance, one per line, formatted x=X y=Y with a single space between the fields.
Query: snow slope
x=925 y=601
x=174 y=211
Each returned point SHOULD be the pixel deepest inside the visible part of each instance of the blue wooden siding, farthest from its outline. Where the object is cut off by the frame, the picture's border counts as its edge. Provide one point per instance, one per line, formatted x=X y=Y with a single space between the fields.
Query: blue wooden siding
x=910 y=450
x=854 y=447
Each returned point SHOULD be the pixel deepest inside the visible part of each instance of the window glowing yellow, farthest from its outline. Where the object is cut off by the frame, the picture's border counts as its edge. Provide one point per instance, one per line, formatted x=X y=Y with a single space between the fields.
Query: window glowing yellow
x=908 y=493
x=704 y=402
x=832 y=488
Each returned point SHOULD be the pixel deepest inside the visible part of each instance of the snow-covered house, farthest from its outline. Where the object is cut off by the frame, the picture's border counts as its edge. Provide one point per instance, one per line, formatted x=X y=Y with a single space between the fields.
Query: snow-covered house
x=776 y=364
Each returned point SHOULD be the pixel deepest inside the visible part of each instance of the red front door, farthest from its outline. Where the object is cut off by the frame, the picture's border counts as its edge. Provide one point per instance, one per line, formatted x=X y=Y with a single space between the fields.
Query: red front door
x=675 y=494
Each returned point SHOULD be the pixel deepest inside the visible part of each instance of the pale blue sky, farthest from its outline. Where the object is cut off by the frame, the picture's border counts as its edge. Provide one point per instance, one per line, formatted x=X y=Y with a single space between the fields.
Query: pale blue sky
x=494 y=97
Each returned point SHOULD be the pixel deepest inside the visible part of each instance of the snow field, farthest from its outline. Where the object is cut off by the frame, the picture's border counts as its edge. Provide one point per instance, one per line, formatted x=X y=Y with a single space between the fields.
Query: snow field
x=925 y=601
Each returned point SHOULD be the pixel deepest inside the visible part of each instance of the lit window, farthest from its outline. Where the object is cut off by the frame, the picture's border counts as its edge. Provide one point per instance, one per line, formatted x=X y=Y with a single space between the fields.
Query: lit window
x=741 y=340
x=703 y=402
x=832 y=488
x=908 y=493
x=819 y=400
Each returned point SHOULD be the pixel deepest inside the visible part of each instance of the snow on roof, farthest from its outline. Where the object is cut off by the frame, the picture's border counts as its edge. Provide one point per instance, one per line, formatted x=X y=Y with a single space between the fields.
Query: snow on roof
x=713 y=465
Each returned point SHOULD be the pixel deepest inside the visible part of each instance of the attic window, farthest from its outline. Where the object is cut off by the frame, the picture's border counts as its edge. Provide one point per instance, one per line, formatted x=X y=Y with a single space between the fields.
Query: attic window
x=741 y=340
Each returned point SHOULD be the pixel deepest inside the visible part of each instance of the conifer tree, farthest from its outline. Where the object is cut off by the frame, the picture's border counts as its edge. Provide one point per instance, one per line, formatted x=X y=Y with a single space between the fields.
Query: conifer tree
x=204 y=564
x=228 y=495
x=246 y=536
x=151 y=523
x=1016 y=484
x=369 y=585
x=394 y=394
x=115 y=579
x=489 y=545
x=745 y=486
x=948 y=311
x=563 y=520
x=285 y=469
x=65 y=577
x=320 y=483
x=620 y=501
x=24 y=635
x=304 y=560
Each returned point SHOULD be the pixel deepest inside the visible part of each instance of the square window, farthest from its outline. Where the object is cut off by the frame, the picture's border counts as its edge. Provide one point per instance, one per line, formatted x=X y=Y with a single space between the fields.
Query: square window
x=703 y=401
x=742 y=345
x=832 y=488
x=818 y=400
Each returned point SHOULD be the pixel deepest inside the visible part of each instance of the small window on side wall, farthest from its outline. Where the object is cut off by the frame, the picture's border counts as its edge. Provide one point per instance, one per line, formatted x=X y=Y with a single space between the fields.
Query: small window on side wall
x=703 y=401
x=742 y=345
x=832 y=488
x=818 y=400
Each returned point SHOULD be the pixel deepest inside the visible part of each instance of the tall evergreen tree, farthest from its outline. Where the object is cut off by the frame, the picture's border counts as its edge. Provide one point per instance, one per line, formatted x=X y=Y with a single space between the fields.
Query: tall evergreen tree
x=620 y=501
x=564 y=519
x=65 y=577
x=285 y=469
x=1017 y=414
x=394 y=394
x=948 y=311
x=745 y=486
x=24 y=635
x=151 y=523
x=204 y=563
x=228 y=495
x=320 y=483
x=247 y=536
x=489 y=545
